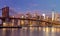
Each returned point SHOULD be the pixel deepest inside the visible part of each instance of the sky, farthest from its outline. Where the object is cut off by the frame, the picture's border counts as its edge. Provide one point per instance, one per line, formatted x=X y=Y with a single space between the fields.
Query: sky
x=31 y=5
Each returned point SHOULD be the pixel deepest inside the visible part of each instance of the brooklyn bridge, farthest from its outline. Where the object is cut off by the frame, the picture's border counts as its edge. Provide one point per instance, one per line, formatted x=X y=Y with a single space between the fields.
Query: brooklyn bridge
x=10 y=21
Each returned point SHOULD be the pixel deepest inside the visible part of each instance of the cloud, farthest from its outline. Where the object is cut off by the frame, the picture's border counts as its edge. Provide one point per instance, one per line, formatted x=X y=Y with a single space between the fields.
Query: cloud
x=33 y=4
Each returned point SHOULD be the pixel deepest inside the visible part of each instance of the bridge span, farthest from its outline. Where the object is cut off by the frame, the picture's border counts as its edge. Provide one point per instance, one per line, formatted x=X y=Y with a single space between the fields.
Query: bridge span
x=14 y=21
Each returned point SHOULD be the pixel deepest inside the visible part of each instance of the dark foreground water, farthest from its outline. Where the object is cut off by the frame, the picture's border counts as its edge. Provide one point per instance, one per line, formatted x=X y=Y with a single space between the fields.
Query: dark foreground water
x=30 y=31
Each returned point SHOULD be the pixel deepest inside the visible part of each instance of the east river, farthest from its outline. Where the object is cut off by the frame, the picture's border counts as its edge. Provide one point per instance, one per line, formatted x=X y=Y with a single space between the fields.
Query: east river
x=30 y=31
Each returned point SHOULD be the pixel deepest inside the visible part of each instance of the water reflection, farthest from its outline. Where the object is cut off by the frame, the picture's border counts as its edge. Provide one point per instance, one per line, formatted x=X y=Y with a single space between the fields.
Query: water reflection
x=30 y=31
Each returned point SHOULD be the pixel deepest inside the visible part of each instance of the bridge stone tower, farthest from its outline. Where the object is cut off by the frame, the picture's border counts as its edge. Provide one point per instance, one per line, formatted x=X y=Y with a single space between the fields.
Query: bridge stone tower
x=5 y=14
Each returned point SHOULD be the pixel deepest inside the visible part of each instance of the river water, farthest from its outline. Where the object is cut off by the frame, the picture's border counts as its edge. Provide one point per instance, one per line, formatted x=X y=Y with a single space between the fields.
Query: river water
x=30 y=31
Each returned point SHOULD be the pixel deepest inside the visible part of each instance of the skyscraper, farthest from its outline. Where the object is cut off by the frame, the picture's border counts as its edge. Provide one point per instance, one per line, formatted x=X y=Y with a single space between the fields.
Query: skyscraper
x=53 y=15
x=43 y=16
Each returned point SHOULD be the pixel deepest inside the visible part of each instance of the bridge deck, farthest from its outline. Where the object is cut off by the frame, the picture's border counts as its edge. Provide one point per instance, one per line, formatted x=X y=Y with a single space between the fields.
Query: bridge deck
x=32 y=20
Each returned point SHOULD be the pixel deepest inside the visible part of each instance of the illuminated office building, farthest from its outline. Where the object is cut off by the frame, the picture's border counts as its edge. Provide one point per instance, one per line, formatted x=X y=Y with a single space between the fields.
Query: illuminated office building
x=57 y=18
x=43 y=16
x=53 y=15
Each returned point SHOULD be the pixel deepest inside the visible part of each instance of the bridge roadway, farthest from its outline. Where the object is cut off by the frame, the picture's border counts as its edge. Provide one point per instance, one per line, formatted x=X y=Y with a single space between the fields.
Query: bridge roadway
x=51 y=22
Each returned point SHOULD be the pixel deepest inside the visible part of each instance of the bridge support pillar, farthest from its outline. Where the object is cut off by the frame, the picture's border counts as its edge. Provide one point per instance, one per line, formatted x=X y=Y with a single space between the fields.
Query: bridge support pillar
x=5 y=15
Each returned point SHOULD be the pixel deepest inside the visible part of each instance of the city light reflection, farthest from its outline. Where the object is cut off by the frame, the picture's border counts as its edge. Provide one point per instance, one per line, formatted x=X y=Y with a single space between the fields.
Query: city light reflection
x=53 y=29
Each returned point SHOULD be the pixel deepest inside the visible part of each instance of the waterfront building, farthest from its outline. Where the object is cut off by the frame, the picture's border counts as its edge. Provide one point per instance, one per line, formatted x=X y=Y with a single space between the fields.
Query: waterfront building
x=28 y=16
x=57 y=17
x=53 y=15
x=44 y=16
